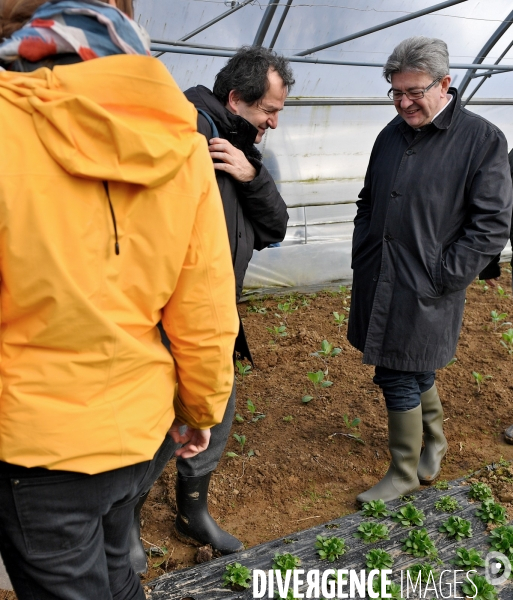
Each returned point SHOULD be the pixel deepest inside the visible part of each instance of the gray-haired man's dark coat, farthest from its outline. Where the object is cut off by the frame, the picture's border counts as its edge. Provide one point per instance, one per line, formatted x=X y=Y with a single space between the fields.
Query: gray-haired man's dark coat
x=435 y=209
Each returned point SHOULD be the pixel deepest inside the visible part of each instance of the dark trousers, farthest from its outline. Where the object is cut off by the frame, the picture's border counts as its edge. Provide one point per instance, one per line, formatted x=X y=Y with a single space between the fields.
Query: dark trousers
x=64 y=535
x=402 y=389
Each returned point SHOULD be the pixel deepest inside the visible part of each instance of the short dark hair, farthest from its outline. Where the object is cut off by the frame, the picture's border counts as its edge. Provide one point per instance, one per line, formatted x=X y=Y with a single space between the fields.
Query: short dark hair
x=246 y=73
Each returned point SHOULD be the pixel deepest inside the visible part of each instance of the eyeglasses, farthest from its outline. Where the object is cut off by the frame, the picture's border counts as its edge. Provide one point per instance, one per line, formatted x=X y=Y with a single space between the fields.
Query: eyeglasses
x=396 y=95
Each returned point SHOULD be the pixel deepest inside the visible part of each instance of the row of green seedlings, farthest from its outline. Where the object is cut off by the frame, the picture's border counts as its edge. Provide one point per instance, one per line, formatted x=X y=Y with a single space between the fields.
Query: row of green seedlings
x=499 y=319
x=506 y=342
x=417 y=543
x=288 y=307
x=318 y=379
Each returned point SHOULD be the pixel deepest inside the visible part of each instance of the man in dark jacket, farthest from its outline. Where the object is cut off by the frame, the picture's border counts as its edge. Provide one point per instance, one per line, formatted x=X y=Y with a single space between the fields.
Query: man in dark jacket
x=249 y=92
x=434 y=209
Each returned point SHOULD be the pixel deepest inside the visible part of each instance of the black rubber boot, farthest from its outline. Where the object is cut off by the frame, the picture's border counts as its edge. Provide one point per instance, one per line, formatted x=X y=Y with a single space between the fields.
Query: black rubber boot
x=137 y=552
x=193 y=523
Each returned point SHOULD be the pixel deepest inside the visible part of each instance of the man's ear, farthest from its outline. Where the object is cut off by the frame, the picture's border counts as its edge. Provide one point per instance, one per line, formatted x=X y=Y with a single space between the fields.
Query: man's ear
x=446 y=82
x=232 y=103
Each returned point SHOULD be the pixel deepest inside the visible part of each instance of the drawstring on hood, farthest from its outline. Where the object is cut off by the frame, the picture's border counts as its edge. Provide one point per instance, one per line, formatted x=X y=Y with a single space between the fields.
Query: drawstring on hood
x=113 y=215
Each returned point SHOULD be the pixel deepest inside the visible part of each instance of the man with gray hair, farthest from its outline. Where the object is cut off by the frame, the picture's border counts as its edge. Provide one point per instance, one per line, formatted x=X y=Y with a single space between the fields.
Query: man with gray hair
x=434 y=209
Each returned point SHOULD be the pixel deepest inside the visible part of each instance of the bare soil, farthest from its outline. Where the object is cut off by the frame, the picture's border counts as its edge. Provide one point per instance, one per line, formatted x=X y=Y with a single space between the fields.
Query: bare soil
x=303 y=464
x=306 y=469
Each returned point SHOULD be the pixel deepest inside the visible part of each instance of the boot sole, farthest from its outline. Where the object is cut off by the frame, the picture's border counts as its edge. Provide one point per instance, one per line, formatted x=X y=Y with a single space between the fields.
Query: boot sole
x=435 y=477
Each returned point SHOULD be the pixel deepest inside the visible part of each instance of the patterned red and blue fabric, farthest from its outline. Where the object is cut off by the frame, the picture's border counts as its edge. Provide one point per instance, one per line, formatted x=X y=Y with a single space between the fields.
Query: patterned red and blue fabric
x=75 y=27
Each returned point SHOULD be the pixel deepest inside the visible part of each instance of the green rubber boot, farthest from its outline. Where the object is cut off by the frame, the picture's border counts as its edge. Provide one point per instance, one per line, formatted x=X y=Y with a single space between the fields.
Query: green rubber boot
x=404 y=443
x=435 y=444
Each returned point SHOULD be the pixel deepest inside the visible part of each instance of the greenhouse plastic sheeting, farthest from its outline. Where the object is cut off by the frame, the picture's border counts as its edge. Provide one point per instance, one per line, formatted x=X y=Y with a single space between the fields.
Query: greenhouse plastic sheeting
x=300 y=267
x=305 y=268
x=319 y=153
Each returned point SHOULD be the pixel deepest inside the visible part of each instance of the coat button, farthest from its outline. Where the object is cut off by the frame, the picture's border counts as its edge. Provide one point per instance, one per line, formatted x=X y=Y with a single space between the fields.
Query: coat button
x=388 y=238
x=374 y=278
x=394 y=194
x=409 y=152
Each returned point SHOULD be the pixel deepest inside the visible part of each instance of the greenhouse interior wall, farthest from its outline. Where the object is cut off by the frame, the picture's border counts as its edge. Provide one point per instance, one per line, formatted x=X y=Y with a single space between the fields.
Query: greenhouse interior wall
x=319 y=153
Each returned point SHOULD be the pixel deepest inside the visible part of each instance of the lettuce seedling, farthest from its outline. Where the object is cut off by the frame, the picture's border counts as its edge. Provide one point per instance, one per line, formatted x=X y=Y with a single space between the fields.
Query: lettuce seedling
x=468 y=558
x=330 y=548
x=375 y=508
x=497 y=318
x=457 y=528
x=371 y=532
x=507 y=340
x=317 y=378
x=243 y=370
x=409 y=515
x=441 y=484
x=277 y=331
x=501 y=292
x=491 y=512
x=340 y=319
x=378 y=559
x=501 y=539
x=426 y=571
x=289 y=596
x=480 y=590
x=447 y=504
x=285 y=562
x=241 y=439
x=419 y=544
x=479 y=491
x=256 y=416
x=393 y=591
x=327 y=350
x=479 y=379
x=237 y=576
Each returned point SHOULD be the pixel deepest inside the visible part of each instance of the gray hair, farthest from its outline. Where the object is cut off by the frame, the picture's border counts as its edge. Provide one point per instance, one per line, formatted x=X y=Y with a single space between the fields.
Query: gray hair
x=418 y=53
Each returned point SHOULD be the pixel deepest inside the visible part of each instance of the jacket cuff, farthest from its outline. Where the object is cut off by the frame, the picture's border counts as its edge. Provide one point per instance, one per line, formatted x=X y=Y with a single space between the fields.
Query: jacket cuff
x=492 y=270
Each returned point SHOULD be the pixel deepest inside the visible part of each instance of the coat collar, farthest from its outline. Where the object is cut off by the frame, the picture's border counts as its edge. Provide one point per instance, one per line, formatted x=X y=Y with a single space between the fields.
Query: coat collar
x=234 y=128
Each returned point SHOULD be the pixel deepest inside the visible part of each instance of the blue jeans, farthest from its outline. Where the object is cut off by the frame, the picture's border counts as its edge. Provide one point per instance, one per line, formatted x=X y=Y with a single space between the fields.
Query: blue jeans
x=65 y=535
x=402 y=389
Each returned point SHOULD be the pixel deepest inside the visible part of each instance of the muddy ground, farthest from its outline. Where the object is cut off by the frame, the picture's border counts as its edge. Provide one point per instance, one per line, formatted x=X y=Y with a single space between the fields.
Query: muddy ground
x=303 y=464
x=308 y=463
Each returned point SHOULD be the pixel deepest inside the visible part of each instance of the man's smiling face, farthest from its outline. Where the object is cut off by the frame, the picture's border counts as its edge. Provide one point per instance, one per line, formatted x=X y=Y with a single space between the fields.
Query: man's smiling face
x=264 y=112
x=418 y=113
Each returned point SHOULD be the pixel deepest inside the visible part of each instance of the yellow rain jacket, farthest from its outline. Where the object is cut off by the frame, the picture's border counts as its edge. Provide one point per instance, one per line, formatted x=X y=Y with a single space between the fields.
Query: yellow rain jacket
x=87 y=385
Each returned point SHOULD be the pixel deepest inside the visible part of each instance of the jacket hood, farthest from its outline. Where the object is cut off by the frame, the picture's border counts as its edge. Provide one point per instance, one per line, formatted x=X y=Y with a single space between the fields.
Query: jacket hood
x=118 y=118
x=234 y=128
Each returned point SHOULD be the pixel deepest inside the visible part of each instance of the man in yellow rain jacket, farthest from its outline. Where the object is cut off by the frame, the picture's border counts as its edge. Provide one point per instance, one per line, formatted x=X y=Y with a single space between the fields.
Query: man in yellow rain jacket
x=110 y=221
